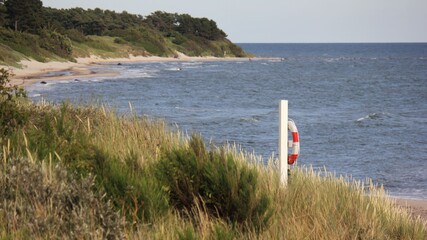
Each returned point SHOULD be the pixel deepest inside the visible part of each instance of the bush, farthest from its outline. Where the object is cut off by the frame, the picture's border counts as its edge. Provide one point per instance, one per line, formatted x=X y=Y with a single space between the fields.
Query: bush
x=229 y=190
x=150 y=40
x=56 y=43
x=134 y=190
x=58 y=130
x=178 y=39
x=119 y=41
x=11 y=115
x=76 y=35
x=46 y=202
x=236 y=50
x=61 y=130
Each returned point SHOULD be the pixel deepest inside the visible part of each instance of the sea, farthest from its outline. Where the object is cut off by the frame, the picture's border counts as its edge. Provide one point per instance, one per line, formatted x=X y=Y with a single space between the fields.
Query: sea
x=360 y=109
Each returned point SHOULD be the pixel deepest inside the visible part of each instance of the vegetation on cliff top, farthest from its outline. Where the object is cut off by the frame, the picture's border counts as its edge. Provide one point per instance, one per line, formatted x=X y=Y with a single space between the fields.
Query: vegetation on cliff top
x=84 y=172
x=29 y=30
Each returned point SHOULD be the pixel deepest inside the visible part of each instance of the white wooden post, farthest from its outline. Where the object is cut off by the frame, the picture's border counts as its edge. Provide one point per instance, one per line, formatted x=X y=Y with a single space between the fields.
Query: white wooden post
x=283 y=141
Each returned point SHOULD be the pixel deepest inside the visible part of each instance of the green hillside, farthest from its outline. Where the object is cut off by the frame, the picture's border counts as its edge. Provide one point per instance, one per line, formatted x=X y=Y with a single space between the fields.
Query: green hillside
x=29 y=30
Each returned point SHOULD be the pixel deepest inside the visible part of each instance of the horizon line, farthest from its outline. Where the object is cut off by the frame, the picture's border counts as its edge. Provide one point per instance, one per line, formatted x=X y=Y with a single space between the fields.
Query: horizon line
x=414 y=42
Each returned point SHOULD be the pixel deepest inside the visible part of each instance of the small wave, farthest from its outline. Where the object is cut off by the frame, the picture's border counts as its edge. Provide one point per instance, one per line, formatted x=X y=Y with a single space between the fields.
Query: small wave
x=193 y=67
x=374 y=116
x=174 y=69
x=253 y=119
x=64 y=81
x=334 y=59
x=137 y=73
x=36 y=95
x=124 y=75
x=275 y=60
x=134 y=75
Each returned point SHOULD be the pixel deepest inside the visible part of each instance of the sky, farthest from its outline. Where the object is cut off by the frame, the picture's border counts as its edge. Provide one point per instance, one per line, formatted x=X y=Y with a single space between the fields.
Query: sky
x=289 y=21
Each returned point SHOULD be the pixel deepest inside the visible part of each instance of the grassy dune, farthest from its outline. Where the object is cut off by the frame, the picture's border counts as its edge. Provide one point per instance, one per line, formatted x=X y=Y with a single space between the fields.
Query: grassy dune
x=17 y=46
x=88 y=173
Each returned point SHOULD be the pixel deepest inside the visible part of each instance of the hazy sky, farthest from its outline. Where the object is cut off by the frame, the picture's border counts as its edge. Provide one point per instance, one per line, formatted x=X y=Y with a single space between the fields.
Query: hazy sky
x=290 y=20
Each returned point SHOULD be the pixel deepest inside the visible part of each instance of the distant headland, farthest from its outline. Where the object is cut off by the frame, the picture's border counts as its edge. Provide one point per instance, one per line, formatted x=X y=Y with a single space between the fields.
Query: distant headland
x=47 y=34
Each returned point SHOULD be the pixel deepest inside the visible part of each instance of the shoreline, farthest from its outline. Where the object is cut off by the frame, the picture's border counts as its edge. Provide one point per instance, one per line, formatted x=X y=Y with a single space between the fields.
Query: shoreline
x=33 y=71
x=416 y=207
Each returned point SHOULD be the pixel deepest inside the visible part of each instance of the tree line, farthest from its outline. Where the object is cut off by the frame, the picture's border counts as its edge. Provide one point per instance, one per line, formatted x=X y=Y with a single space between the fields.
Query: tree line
x=30 y=16
x=30 y=28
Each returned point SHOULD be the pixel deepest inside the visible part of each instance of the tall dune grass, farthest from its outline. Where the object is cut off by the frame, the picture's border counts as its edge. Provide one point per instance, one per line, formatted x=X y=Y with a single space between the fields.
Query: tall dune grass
x=142 y=171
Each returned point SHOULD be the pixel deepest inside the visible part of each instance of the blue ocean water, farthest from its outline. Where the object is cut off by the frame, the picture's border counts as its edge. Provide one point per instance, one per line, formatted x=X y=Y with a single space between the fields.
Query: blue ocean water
x=361 y=109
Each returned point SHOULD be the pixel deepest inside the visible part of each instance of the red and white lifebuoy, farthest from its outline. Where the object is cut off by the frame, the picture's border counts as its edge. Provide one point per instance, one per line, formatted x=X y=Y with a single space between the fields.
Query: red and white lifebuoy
x=294 y=144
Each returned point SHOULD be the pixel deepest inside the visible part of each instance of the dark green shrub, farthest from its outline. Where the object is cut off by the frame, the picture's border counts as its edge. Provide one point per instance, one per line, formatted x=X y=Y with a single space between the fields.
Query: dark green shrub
x=76 y=35
x=192 y=48
x=152 y=41
x=60 y=131
x=227 y=189
x=134 y=190
x=119 y=40
x=56 y=43
x=178 y=39
x=11 y=115
x=236 y=50
x=130 y=34
x=9 y=92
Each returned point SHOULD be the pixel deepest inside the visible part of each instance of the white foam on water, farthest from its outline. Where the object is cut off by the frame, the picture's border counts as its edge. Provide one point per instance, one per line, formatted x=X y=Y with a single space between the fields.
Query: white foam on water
x=250 y=119
x=173 y=69
x=275 y=60
x=374 y=116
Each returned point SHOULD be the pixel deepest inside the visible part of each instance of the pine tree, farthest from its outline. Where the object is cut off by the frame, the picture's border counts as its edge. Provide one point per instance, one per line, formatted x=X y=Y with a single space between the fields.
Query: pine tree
x=25 y=15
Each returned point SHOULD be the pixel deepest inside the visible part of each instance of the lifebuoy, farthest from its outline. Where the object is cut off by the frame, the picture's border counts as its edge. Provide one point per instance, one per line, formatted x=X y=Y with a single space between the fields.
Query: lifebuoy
x=294 y=144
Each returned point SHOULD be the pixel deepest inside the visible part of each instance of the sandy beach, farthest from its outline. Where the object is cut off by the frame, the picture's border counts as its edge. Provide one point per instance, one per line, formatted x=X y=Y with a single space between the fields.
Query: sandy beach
x=415 y=207
x=33 y=71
